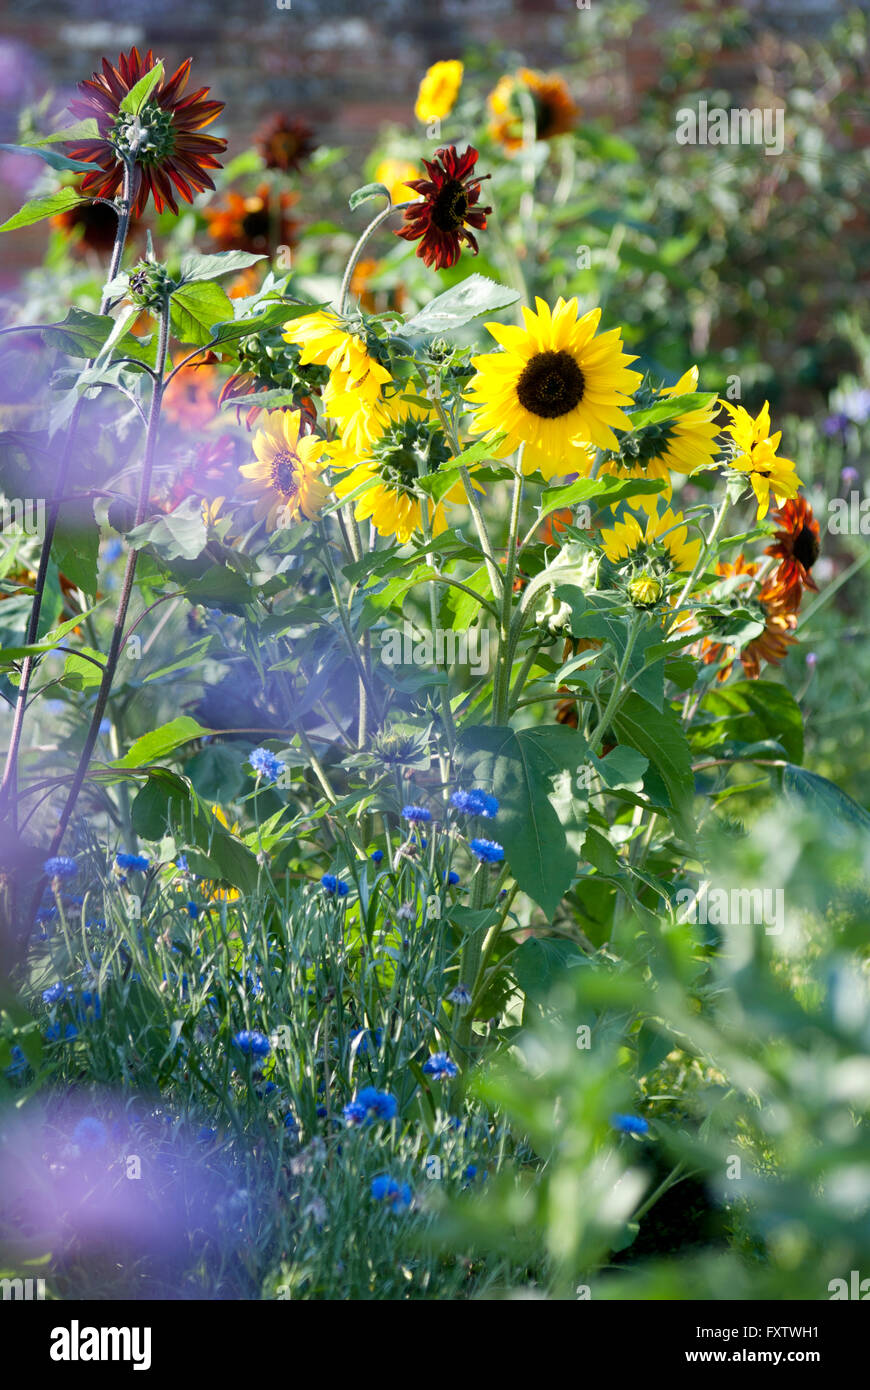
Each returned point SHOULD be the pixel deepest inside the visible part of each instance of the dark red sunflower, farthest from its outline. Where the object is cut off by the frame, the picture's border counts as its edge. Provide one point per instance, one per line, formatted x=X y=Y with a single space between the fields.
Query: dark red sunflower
x=796 y=545
x=285 y=142
x=88 y=227
x=170 y=156
x=256 y=223
x=447 y=208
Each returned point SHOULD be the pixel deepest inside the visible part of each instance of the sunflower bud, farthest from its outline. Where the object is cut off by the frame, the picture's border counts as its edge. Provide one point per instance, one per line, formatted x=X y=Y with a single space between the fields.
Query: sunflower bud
x=645 y=590
x=150 y=285
x=553 y=617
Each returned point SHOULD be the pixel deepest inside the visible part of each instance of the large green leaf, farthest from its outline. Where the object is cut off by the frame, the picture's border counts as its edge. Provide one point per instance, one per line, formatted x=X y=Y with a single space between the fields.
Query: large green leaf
x=474 y=296
x=134 y=100
x=179 y=535
x=197 y=267
x=195 y=310
x=753 y=711
x=168 y=804
x=39 y=208
x=605 y=490
x=159 y=742
x=825 y=798
x=522 y=767
x=658 y=734
x=76 y=545
x=51 y=157
x=598 y=618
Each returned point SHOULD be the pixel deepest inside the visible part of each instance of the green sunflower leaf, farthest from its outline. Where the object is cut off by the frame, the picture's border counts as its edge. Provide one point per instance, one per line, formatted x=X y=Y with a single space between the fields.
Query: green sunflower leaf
x=39 y=208
x=138 y=94
x=368 y=190
x=474 y=296
x=50 y=157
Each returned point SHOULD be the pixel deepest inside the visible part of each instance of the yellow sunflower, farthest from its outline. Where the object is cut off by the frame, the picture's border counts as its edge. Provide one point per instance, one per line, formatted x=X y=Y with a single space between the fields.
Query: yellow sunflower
x=394 y=175
x=356 y=378
x=658 y=542
x=408 y=443
x=555 y=384
x=285 y=478
x=757 y=459
x=223 y=895
x=679 y=445
x=438 y=90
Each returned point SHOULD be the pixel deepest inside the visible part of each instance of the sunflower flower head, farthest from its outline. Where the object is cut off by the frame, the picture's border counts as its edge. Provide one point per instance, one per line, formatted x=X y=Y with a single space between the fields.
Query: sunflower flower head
x=654 y=546
x=356 y=376
x=163 y=141
x=796 y=545
x=408 y=445
x=545 y=94
x=438 y=90
x=756 y=457
x=284 y=142
x=441 y=217
x=769 y=606
x=394 y=175
x=678 y=444
x=285 y=478
x=555 y=385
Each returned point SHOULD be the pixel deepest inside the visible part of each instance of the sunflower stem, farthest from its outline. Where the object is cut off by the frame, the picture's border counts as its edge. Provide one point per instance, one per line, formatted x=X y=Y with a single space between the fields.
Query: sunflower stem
x=505 y=646
x=127 y=583
x=9 y=785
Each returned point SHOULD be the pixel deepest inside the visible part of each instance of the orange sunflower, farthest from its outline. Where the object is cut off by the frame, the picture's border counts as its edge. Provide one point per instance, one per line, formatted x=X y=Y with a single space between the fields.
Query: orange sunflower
x=772 y=644
x=254 y=224
x=796 y=545
x=555 y=110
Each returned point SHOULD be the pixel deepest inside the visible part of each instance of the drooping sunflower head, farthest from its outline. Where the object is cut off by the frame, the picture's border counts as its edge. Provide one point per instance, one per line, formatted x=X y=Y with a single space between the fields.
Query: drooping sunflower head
x=653 y=546
x=756 y=457
x=679 y=444
x=768 y=606
x=447 y=208
x=438 y=90
x=285 y=479
x=555 y=111
x=169 y=154
x=556 y=383
x=409 y=444
x=356 y=376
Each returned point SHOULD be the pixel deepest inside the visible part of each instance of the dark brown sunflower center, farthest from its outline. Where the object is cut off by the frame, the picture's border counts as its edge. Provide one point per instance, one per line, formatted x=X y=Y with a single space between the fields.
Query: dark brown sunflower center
x=255 y=224
x=450 y=207
x=285 y=473
x=551 y=385
x=806 y=547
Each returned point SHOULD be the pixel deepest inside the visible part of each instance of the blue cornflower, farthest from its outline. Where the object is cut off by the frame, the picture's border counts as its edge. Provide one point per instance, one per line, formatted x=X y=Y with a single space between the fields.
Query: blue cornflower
x=113 y=551
x=335 y=885
x=290 y=1121
x=452 y=878
x=206 y=1135
x=18 y=1064
x=386 y=1189
x=364 y=1034
x=440 y=1066
x=252 y=1042
x=90 y=1003
x=487 y=851
x=90 y=1133
x=416 y=814
x=53 y=1033
x=370 y=1104
x=470 y=1172
x=193 y=910
x=61 y=866
x=132 y=861
x=181 y=863
x=266 y=764
x=55 y=993
x=376 y=856
x=630 y=1124
x=460 y=995
x=475 y=803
